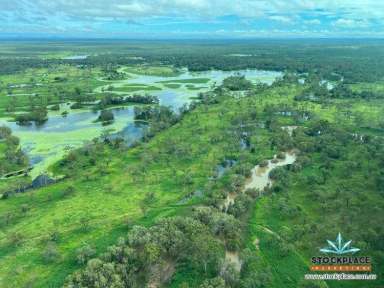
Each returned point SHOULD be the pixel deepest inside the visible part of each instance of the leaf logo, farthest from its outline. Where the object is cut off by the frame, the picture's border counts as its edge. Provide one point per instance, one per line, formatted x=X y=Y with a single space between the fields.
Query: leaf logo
x=338 y=247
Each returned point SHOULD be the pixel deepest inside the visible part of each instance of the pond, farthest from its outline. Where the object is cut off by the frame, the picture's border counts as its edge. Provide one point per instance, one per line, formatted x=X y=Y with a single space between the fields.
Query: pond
x=48 y=142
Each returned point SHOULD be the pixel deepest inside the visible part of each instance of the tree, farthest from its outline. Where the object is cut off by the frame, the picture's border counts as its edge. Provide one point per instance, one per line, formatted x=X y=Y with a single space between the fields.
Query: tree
x=98 y=275
x=217 y=282
x=230 y=275
x=106 y=116
x=84 y=254
x=237 y=83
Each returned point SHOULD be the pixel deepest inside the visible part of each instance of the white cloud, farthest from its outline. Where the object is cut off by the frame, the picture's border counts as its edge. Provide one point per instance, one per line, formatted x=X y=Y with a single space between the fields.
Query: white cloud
x=312 y=22
x=279 y=18
x=350 y=23
x=199 y=8
x=309 y=14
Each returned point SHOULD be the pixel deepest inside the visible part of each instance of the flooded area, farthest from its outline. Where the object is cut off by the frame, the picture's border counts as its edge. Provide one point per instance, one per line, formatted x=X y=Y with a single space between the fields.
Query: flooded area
x=48 y=142
x=76 y=57
x=260 y=175
x=175 y=91
x=233 y=258
x=259 y=180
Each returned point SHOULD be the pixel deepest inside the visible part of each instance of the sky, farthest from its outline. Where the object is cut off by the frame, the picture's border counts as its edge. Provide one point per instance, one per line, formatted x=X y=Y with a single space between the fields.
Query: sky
x=185 y=19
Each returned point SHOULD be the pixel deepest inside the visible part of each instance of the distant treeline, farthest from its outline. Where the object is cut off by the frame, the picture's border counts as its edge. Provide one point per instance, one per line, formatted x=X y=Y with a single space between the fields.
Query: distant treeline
x=352 y=61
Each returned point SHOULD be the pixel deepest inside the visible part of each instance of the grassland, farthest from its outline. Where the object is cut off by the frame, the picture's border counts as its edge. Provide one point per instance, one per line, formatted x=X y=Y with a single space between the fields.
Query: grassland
x=296 y=218
x=189 y=81
x=152 y=70
x=107 y=196
x=47 y=86
x=105 y=202
x=133 y=88
x=312 y=205
x=374 y=87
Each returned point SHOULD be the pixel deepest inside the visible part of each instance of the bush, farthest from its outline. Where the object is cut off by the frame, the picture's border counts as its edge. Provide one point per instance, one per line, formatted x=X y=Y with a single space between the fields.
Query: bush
x=281 y=156
x=76 y=105
x=15 y=239
x=237 y=83
x=279 y=173
x=85 y=253
x=39 y=116
x=217 y=282
x=50 y=253
x=106 y=116
x=55 y=107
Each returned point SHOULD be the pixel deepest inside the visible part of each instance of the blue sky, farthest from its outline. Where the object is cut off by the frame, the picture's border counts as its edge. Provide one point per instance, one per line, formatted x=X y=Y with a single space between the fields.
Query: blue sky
x=192 y=18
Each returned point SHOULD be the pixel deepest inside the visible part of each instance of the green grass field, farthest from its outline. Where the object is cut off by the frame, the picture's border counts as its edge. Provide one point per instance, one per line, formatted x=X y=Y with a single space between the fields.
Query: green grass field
x=163 y=71
x=105 y=202
x=189 y=81
x=45 y=86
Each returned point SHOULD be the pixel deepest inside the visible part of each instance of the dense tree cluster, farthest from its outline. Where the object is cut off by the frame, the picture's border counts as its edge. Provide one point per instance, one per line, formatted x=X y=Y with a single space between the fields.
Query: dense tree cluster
x=159 y=117
x=330 y=60
x=237 y=83
x=106 y=117
x=318 y=91
x=140 y=257
x=38 y=116
x=110 y=99
x=11 y=156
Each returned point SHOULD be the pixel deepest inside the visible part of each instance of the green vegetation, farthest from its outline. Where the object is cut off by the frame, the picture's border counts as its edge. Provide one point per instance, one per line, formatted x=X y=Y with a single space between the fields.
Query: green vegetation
x=39 y=116
x=11 y=157
x=112 y=100
x=237 y=83
x=172 y=85
x=132 y=88
x=171 y=209
x=293 y=217
x=193 y=87
x=164 y=71
x=106 y=116
x=192 y=80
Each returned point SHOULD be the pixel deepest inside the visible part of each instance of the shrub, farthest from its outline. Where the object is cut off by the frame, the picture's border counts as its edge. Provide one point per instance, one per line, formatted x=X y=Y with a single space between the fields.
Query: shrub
x=85 y=253
x=55 y=107
x=106 y=116
x=281 y=156
x=50 y=253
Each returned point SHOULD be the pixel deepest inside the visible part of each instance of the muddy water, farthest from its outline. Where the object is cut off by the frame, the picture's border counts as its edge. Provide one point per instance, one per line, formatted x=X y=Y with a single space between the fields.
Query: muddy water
x=260 y=175
x=259 y=180
x=233 y=258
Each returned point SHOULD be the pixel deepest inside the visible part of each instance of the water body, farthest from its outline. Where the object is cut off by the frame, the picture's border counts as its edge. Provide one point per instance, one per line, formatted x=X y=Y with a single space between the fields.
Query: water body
x=260 y=175
x=259 y=180
x=48 y=142
x=176 y=97
x=76 y=57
